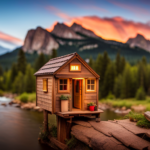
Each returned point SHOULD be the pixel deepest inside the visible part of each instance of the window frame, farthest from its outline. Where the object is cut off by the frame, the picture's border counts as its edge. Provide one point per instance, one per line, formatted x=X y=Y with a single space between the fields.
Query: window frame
x=79 y=64
x=45 y=80
x=91 y=91
x=68 y=87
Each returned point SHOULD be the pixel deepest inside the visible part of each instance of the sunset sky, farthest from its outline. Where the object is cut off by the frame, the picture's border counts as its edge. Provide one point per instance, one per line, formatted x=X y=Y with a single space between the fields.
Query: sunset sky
x=111 y=19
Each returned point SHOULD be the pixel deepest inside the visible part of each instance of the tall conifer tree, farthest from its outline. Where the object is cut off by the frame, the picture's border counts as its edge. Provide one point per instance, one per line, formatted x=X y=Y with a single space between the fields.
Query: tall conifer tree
x=21 y=62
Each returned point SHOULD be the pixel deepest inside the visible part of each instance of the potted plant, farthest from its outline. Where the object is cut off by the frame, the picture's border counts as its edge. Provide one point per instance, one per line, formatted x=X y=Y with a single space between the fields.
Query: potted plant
x=64 y=103
x=91 y=106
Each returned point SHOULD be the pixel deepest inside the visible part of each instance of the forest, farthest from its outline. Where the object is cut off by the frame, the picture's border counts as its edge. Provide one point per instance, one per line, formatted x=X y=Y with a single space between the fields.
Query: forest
x=118 y=78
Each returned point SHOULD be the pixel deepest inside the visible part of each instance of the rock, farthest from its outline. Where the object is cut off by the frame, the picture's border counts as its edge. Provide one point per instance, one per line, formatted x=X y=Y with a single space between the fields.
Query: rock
x=78 y=28
x=36 y=108
x=28 y=106
x=147 y=115
x=131 y=126
x=121 y=134
x=39 y=40
x=122 y=112
x=64 y=31
x=139 y=108
x=82 y=123
x=139 y=41
x=3 y=104
x=95 y=139
x=123 y=108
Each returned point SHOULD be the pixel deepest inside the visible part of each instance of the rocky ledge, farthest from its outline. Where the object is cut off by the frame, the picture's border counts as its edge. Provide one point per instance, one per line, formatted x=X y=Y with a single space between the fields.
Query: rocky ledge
x=114 y=135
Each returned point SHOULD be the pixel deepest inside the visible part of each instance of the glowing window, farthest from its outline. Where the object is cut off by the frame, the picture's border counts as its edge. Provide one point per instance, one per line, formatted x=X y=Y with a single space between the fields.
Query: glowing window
x=90 y=85
x=45 y=85
x=63 y=85
x=75 y=67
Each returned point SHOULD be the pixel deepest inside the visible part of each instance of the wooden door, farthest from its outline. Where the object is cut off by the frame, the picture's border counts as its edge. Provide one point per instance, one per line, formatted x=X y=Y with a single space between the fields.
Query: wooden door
x=77 y=93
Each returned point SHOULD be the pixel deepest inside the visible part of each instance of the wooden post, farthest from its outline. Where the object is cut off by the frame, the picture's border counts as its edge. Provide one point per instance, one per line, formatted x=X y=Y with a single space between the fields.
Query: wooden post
x=63 y=129
x=45 y=113
x=98 y=119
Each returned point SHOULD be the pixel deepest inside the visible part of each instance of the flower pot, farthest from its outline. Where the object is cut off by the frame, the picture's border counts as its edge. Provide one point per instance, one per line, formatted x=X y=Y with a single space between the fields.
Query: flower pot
x=91 y=108
x=64 y=105
x=95 y=108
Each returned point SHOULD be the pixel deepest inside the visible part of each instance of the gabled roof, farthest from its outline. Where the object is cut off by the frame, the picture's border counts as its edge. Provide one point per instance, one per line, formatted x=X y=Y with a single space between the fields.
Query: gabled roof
x=56 y=64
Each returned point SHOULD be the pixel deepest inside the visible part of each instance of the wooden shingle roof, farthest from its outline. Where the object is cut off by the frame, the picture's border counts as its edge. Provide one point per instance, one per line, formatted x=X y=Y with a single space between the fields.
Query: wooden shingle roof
x=54 y=64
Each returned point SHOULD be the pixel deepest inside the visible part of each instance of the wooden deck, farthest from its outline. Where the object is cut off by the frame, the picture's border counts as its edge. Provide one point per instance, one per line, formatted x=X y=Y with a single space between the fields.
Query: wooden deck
x=77 y=112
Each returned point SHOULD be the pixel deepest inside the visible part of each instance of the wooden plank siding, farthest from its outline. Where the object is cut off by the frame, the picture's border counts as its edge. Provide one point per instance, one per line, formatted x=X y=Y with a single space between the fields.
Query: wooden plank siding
x=84 y=73
x=57 y=97
x=44 y=99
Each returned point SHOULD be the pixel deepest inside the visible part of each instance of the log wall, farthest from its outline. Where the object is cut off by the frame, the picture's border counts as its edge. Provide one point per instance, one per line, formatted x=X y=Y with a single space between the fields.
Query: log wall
x=44 y=99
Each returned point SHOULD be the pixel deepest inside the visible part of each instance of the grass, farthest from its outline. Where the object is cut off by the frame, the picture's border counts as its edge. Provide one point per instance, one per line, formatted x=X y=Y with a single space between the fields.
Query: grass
x=128 y=103
x=27 y=97
x=139 y=118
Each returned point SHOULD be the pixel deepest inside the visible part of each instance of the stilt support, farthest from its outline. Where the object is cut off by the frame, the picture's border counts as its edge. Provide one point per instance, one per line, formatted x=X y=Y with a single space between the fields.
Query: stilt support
x=45 y=113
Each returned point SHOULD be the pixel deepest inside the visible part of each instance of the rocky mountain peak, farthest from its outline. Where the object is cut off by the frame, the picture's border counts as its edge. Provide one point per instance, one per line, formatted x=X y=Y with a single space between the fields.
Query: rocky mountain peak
x=62 y=30
x=78 y=28
x=39 y=40
x=139 y=41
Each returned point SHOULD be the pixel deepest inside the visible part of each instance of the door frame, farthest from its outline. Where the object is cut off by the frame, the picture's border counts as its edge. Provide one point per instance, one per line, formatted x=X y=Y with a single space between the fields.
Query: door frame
x=82 y=90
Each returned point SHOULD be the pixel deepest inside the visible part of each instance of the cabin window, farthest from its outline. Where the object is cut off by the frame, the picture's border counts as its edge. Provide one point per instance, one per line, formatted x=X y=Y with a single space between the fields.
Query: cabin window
x=63 y=86
x=45 y=85
x=90 y=85
x=75 y=67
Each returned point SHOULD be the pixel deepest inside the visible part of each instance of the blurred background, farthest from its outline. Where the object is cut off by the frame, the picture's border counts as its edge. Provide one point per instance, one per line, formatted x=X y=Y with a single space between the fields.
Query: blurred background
x=112 y=36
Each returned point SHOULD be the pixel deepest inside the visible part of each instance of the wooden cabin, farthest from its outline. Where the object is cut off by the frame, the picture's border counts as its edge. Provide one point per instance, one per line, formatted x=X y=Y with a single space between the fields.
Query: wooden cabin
x=67 y=75
x=71 y=76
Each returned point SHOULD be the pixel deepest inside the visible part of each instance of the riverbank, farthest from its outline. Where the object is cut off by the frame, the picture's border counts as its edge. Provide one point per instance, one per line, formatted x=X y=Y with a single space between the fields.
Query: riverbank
x=125 y=105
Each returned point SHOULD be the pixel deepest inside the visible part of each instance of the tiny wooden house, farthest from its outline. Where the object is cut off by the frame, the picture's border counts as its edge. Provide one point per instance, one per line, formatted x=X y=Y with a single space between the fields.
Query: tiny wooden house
x=67 y=75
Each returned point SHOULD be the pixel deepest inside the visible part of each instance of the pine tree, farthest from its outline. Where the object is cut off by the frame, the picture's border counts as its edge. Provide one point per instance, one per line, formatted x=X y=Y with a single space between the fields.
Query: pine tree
x=118 y=64
x=123 y=64
x=54 y=53
x=91 y=63
x=21 y=62
x=40 y=61
x=144 y=61
x=126 y=88
x=18 y=85
x=29 y=80
x=117 y=86
x=98 y=64
x=14 y=72
x=109 y=78
x=1 y=70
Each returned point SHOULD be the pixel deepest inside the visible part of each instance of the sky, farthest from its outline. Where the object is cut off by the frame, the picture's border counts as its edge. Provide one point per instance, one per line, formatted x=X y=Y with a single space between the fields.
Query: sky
x=111 y=19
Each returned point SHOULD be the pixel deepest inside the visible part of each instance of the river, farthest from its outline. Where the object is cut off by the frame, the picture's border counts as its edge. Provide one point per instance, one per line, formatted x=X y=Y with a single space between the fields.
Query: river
x=19 y=128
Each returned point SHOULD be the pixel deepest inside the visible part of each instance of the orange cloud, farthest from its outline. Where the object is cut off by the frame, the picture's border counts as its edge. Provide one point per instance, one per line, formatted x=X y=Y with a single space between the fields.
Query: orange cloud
x=115 y=28
x=10 y=39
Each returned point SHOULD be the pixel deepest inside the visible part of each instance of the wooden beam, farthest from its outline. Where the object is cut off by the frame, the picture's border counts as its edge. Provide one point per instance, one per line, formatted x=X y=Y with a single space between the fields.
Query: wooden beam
x=97 y=84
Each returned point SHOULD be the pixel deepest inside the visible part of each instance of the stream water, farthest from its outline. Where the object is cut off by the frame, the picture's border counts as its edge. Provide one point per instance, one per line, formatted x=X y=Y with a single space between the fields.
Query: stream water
x=19 y=128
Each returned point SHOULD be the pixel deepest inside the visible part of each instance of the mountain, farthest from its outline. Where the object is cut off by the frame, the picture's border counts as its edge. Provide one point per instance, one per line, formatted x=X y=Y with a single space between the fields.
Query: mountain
x=39 y=40
x=79 y=29
x=139 y=41
x=3 y=50
x=61 y=30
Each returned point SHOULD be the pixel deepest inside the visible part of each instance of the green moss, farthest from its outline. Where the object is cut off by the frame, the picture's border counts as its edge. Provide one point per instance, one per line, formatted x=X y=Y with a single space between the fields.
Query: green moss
x=53 y=130
x=139 y=118
x=72 y=142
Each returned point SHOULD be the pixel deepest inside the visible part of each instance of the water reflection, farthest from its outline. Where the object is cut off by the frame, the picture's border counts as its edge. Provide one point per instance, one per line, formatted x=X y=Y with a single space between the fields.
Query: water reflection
x=19 y=128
